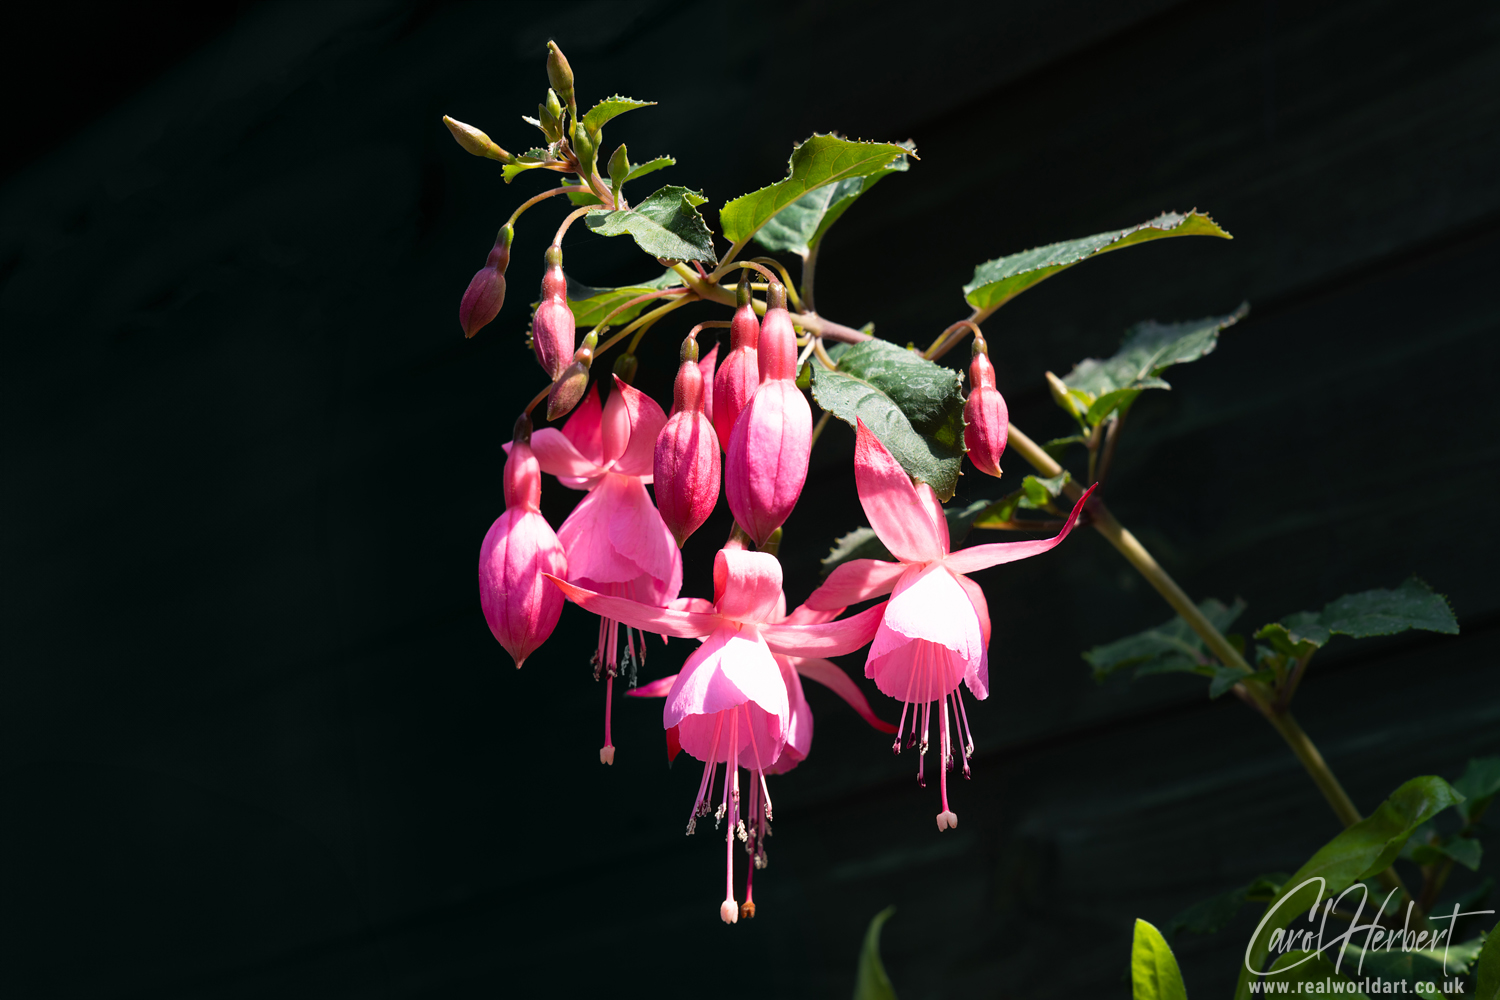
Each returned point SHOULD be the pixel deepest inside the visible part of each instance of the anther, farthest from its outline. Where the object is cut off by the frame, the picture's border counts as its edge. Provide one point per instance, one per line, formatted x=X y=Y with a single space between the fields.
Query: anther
x=747 y=910
x=728 y=911
x=947 y=820
x=607 y=756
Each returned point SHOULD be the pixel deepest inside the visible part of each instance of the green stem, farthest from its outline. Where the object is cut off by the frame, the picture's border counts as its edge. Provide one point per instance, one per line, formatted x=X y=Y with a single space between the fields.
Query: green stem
x=809 y=268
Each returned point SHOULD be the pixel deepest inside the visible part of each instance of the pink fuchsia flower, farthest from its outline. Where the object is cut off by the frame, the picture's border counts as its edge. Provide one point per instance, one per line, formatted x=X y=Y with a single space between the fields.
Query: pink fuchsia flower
x=686 y=465
x=739 y=375
x=518 y=603
x=553 y=327
x=766 y=465
x=799 y=726
x=934 y=635
x=729 y=703
x=616 y=541
x=986 y=418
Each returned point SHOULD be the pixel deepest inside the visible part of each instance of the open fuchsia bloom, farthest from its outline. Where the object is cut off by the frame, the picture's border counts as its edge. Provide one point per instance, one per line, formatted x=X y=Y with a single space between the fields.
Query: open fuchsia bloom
x=686 y=465
x=986 y=418
x=729 y=704
x=520 y=606
x=766 y=465
x=553 y=326
x=616 y=541
x=799 y=725
x=935 y=632
x=739 y=375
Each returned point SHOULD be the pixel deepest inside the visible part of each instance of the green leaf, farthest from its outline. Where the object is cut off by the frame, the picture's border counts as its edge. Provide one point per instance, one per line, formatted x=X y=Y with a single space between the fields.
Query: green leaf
x=821 y=160
x=649 y=167
x=1478 y=786
x=1154 y=974
x=1363 y=850
x=1487 y=976
x=1058 y=447
x=1214 y=914
x=870 y=980
x=798 y=227
x=529 y=160
x=861 y=543
x=1464 y=850
x=590 y=305
x=1225 y=678
x=1385 y=612
x=915 y=407
x=1166 y=648
x=1419 y=965
x=1038 y=493
x=1298 y=967
x=610 y=107
x=998 y=281
x=665 y=225
x=1147 y=350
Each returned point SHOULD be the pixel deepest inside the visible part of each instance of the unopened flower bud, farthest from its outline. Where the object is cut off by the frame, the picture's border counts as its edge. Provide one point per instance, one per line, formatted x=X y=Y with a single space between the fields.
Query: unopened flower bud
x=486 y=292
x=475 y=141
x=553 y=328
x=986 y=418
x=1061 y=396
x=626 y=365
x=686 y=464
x=584 y=147
x=739 y=375
x=569 y=387
x=550 y=115
x=765 y=467
x=559 y=73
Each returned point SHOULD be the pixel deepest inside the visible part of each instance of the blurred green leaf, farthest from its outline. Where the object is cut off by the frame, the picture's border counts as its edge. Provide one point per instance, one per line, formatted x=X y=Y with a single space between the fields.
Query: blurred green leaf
x=1037 y=492
x=1147 y=350
x=1479 y=785
x=1422 y=965
x=998 y=281
x=1058 y=447
x=1371 y=612
x=1154 y=974
x=666 y=225
x=870 y=979
x=611 y=107
x=1214 y=914
x=590 y=305
x=915 y=407
x=798 y=227
x=1298 y=967
x=821 y=160
x=1487 y=975
x=1169 y=647
x=1363 y=850
x=1225 y=678
x=1464 y=850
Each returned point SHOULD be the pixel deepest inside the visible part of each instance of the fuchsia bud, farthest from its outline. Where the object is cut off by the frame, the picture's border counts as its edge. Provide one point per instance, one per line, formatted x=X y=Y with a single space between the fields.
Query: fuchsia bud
x=552 y=328
x=520 y=605
x=574 y=380
x=766 y=465
x=986 y=418
x=686 y=471
x=486 y=292
x=739 y=375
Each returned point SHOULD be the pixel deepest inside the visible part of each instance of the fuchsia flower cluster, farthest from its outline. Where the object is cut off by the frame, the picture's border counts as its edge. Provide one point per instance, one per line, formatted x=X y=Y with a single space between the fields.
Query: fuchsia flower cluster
x=737 y=704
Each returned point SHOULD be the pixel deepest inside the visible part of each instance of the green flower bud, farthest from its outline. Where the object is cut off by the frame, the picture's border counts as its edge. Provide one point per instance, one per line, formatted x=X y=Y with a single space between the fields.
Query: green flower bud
x=475 y=141
x=560 y=74
x=626 y=366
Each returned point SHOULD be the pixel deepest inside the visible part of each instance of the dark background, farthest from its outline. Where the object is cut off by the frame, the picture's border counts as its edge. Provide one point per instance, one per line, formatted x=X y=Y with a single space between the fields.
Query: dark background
x=257 y=740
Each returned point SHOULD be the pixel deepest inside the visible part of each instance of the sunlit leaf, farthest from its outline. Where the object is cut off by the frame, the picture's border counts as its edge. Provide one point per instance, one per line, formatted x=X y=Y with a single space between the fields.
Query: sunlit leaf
x=610 y=107
x=590 y=305
x=649 y=167
x=821 y=160
x=798 y=227
x=998 y=281
x=666 y=225
x=1154 y=974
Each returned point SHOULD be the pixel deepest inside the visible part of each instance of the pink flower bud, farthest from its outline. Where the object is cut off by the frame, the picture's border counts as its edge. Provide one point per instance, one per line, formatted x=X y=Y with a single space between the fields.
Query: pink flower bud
x=519 y=603
x=552 y=328
x=486 y=292
x=766 y=464
x=739 y=375
x=706 y=368
x=986 y=418
x=570 y=385
x=686 y=467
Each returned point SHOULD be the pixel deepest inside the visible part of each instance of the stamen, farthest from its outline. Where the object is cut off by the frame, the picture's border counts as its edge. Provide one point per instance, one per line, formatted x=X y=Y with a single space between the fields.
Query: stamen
x=607 y=752
x=943 y=765
x=905 y=704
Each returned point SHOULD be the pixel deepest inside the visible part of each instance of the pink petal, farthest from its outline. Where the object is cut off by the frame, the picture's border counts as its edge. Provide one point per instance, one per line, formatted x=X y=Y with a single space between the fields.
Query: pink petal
x=829 y=639
x=561 y=458
x=683 y=624
x=833 y=677
x=706 y=366
x=978 y=557
x=799 y=725
x=896 y=511
x=632 y=420
x=934 y=513
x=930 y=604
x=658 y=688
x=747 y=585
x=856 y=580
x=615 y=535
x=978 y=675
x=582 y=427
x=914 y=670
x=732 y=669
x=692 y=604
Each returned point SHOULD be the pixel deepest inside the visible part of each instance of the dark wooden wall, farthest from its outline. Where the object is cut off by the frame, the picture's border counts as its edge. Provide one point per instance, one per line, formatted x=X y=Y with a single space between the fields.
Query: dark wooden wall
x=257 y=740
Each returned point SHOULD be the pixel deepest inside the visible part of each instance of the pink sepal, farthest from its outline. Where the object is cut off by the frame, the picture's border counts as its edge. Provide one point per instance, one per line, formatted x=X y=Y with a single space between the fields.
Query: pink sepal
x=658 y=688
x=855 y=581
x=828 y=639
x=683 y=624
x=833 y=677
x=978 y=557
x=898 y=513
